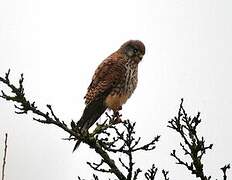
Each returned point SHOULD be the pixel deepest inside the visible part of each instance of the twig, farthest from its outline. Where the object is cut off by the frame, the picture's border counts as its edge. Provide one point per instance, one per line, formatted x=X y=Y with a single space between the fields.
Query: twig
x=136 y=173
x=165 y=174
x=224 y=169
x=4 y=157
x=95 y=177
x=128 y=145
x=151 y=173
x=97 y=167
x=193 y=146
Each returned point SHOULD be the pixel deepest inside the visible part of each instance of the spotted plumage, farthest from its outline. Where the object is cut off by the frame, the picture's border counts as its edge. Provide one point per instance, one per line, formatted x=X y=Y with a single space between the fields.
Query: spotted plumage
x=112 y=84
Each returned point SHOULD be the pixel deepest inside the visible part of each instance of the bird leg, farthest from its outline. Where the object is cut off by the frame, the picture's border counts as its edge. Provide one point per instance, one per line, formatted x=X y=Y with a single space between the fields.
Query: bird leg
x=117 y=116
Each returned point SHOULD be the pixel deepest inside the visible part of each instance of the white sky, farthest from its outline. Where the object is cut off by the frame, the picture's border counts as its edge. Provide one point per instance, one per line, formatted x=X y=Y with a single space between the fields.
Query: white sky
x=58 y=44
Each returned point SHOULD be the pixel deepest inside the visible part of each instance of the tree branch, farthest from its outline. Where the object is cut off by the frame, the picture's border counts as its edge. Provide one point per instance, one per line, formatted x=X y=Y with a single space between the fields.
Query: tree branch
x=25 y=106
x=106 y=138
x=151 y=173
x=224 y=169
x=4 y=157
x=193 y=146
x=165 y=174
x=136 y=173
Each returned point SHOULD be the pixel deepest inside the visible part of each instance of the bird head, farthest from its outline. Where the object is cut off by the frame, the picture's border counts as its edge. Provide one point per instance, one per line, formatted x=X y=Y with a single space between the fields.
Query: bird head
x=134 y=50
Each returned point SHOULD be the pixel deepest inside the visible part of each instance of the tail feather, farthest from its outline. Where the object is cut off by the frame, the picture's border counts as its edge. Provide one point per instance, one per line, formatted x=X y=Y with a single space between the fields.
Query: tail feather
x=91 y=114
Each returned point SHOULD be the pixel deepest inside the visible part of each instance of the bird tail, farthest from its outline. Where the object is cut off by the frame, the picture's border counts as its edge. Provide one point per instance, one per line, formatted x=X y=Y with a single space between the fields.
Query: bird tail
x=90 y=115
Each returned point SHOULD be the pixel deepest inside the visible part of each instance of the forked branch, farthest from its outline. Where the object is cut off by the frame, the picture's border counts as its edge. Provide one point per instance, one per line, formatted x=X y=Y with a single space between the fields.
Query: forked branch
x=193 y=145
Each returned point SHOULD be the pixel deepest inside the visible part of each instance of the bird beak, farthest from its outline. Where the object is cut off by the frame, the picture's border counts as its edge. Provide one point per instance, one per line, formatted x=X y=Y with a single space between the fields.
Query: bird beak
x=140 y=56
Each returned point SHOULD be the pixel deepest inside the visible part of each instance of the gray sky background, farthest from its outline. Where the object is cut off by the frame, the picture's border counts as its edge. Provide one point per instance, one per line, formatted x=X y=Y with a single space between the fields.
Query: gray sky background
x=58 y=44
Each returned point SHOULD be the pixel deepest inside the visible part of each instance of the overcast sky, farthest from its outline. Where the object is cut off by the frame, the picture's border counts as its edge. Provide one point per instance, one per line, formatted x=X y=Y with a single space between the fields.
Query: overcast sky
x=58 y=44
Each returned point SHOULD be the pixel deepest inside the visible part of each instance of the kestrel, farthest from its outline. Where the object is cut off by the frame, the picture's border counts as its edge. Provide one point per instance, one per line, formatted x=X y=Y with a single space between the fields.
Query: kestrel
x=112 y=84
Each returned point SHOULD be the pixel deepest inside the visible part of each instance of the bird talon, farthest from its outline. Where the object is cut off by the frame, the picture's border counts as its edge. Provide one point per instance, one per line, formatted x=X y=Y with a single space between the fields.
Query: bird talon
x=119 y=108
x=117 y=120
x=116 y=117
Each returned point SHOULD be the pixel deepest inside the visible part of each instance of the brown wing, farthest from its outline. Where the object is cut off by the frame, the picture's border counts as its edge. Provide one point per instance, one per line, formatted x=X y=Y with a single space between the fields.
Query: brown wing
x=108 y=74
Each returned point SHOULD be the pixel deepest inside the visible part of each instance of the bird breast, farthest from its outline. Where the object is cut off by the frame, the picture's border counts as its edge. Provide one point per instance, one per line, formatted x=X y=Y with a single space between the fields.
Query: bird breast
x=114 y=102
x=122 y=92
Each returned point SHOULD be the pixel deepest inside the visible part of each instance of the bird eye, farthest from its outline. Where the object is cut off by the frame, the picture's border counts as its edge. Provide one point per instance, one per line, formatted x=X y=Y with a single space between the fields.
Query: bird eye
x=135 y=50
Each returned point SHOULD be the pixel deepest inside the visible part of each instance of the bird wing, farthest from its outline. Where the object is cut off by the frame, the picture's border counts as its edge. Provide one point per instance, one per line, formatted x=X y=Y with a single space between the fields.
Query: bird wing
x=108 y=74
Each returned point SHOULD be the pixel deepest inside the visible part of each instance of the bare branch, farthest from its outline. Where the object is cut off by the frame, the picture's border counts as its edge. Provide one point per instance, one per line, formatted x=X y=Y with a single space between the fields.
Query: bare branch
x=95 y=177
x=193 y=146
x=151 y=173
x=165 y=174
x=224 y=169
x=4 y=157
x=126 y=143
x=106 y=138
x=149 y=146
x=136 y=173
x=50 y=118
x=123 y=164
x=97 y=167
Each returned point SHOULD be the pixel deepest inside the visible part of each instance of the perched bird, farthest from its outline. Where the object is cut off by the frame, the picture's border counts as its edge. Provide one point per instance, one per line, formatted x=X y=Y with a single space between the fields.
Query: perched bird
x=112 y=84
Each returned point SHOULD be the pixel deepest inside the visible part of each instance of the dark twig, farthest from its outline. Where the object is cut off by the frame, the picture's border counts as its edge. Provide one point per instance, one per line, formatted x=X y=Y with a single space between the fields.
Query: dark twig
x=123 y=142
x=136 y=173
x=4 y=157
x=95 y=177
x=165 y=174
x=193 y=146
x=151 y=173
x=97 y=167
x=224 y=169
x=126 y=143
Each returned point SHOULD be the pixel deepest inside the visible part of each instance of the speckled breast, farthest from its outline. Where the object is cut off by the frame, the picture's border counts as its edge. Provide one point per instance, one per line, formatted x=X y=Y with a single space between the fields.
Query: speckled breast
x=122 y=92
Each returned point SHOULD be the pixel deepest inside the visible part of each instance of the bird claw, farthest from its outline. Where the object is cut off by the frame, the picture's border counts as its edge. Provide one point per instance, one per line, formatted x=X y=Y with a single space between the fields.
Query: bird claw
x=116 y=117
x=117 y=120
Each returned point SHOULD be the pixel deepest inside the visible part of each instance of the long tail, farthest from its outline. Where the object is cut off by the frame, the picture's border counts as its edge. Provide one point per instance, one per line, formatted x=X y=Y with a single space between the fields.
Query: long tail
x=90 y=115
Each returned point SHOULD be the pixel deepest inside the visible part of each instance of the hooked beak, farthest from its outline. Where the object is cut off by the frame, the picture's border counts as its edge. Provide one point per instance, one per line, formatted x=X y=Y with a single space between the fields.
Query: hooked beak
x=140 y=56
